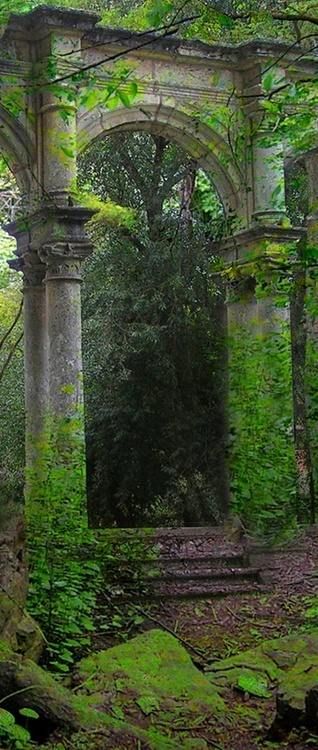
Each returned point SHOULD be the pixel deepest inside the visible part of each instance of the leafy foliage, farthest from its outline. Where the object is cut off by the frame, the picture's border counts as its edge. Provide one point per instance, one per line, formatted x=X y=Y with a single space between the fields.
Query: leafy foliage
x=64 y=572
x=263 y=468
x=11 y=379
x=253 y=685
x=149 y=319
x=12 y=735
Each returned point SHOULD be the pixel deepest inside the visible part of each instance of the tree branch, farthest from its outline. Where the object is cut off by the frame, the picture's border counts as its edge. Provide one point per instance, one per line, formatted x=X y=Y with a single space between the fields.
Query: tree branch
x=9 y=357
x=169 y=29
x=16 y=319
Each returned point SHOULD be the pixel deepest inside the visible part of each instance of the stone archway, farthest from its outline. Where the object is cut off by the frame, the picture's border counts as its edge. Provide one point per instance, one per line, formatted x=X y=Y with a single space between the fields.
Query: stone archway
x=18 y=150
x=202 y=143
x=183 y=87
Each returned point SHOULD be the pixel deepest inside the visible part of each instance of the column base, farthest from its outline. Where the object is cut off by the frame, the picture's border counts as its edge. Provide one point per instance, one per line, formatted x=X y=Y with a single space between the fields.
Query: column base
x=270 y=218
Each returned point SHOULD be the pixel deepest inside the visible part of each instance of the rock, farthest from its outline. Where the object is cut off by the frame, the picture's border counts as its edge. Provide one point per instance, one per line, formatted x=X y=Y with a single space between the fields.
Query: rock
x=311 y=704
x=290 y=665
x=151 y=678
x=252 y=665
x=30 y=639
x=294 y=686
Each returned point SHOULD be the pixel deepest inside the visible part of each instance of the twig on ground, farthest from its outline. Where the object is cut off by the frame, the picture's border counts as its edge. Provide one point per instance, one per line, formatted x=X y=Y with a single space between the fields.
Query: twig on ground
x=169 y=630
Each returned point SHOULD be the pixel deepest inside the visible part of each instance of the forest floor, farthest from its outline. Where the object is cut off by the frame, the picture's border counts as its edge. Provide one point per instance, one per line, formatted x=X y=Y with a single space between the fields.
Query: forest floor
x=222 y=627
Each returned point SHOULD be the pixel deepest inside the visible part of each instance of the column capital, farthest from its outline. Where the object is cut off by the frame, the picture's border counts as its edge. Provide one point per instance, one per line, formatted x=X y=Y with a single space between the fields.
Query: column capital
x=64 y=259
x=52 y=242
x=29 y=263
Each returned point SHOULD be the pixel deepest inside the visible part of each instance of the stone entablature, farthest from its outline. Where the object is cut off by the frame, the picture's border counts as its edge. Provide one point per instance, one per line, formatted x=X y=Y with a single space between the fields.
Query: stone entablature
x=184 y=88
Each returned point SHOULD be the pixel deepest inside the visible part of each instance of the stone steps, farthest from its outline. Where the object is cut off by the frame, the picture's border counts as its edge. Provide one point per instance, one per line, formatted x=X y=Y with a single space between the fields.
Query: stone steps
x=191 y=563
x=196 y=542
x=211 y=562
x=210 y=574
x=201 y=563
x=205 y=590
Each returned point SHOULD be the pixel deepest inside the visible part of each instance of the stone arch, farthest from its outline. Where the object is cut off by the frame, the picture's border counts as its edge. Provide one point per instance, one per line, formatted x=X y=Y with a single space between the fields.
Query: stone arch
x=200 y=141
x=17 y=148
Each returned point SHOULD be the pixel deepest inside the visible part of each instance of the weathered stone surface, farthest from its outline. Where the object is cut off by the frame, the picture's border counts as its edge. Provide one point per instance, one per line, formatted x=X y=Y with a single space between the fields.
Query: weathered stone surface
x=294 y=687
x=13 y=577
x=150 y=677
x=287 y=665
x=30 y=639
x=130 y=695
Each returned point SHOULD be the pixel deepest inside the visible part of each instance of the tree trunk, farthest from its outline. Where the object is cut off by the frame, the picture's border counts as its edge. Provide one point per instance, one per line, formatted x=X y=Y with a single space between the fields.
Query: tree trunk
x=305 y=482
x=17 y=628
x=13 y=572
x=24 y=683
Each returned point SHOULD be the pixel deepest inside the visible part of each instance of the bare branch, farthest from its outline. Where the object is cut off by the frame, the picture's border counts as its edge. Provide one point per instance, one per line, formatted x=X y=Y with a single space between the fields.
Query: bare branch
x=16 y=319
x=9 y=357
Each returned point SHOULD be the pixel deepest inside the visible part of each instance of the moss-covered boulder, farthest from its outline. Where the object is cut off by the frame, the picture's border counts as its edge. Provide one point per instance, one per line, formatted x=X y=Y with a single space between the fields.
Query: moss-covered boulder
x=295 y=686
x=93 y=718
x=151 y=680
x=288 y=666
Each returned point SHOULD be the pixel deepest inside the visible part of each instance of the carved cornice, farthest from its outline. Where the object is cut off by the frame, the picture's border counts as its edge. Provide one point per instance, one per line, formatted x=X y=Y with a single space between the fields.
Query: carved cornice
x=36 y=23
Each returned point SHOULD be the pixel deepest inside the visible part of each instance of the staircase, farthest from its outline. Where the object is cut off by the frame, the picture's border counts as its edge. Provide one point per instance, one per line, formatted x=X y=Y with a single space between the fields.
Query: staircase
x=199 y=563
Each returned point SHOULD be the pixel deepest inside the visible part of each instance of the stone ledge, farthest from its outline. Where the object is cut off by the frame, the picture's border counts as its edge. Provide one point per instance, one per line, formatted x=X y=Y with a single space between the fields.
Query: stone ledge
x=234 y=248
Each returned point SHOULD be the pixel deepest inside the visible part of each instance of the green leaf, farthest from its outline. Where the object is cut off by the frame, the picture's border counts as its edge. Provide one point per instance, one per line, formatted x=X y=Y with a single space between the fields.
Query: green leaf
x=6 y=719
x=268 y=81
x=254 y=685
x=124 y=98
x=29 y=713
x=67 y=151
x=225 y=21
x=20 y=734
x=157 y=14
x=112 y=102
x=118 y=712
x=133 y=89
x=148 y=704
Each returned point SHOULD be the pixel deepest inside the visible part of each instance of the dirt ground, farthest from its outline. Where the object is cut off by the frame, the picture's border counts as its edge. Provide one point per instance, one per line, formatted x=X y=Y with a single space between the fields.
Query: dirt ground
x=221 y=627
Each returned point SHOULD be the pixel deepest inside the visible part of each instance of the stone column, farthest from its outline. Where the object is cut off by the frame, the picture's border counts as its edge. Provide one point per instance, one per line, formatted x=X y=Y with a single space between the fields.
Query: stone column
x=59 y=149
x=63 y=278
x=57 y=119
x=63 y=250
x=35 y=356
x=312 y=172
x=268 y=179
x=260 y=377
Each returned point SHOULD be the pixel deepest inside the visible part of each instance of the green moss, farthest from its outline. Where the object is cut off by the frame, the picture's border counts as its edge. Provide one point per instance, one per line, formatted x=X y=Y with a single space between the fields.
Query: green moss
x=5 y=649
x=150 y=675
x=290 y=663
x=254 y=661
x=247 y=713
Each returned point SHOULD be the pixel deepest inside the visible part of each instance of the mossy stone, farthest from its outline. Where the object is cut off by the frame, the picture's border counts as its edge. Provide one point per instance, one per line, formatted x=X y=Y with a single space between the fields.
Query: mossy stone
x=152 y=672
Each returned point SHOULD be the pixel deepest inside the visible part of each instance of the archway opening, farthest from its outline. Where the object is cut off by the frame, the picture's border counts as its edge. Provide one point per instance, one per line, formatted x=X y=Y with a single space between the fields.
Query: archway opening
x=154 y=337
